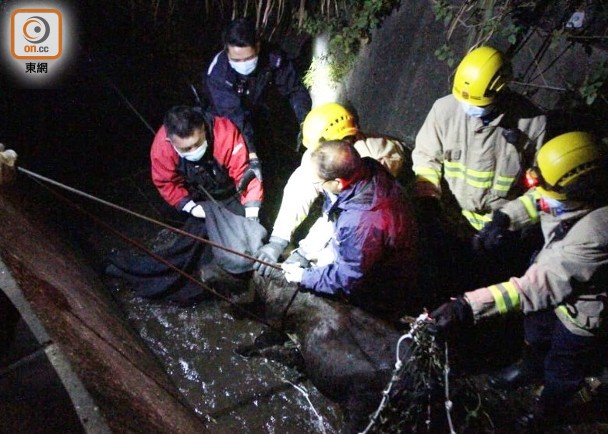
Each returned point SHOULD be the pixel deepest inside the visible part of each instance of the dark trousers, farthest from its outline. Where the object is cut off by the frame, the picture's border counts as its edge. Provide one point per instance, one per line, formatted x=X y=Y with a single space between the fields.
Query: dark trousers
x=568 y=358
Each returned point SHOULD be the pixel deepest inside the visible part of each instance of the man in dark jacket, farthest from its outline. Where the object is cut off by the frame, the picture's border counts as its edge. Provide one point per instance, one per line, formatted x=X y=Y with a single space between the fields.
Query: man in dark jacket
x=370 y=260
x=239 y=78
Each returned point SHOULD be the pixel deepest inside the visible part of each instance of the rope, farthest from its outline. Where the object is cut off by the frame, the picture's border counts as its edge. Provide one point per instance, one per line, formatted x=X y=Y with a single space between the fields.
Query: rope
x=159 y=258
x=143 y=217
x=110 y=83
x=421 y=320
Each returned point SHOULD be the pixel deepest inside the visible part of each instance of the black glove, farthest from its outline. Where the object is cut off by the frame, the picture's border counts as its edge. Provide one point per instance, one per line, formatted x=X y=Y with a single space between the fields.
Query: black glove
x=269 y=253
x=297 y=258
x=254 y=170
x=450 y=317
x=494 y=234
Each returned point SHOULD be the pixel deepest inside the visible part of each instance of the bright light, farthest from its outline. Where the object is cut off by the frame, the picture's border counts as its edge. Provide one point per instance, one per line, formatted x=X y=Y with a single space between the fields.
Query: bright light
x=323 y=89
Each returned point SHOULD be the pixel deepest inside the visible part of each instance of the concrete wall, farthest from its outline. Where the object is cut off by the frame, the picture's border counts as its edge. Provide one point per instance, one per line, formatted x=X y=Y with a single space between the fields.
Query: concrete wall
x=114 y=382
x=398 y=77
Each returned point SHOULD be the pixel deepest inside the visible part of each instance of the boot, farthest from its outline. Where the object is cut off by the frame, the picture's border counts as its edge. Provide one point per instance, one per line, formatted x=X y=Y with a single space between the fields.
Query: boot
x=527 y=370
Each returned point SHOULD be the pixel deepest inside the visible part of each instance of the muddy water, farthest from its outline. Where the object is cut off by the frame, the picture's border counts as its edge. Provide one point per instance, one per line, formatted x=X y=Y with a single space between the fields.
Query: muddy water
x=196 y=345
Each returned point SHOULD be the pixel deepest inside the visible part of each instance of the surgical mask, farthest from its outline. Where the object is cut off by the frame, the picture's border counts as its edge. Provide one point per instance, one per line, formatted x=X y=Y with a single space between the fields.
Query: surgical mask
x=195 y=155
x=246 y=67
x=475 y=111
x=551 y=206
x=332 y=197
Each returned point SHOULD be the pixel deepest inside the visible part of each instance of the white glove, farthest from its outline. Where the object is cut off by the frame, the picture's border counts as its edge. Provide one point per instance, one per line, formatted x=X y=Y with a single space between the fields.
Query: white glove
x=195 y=209
x=7 y=165
x=252 y=213
x=293 y=272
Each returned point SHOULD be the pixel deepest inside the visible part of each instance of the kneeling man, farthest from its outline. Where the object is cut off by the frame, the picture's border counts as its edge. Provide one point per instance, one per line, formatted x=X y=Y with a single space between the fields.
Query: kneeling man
x=370 y=258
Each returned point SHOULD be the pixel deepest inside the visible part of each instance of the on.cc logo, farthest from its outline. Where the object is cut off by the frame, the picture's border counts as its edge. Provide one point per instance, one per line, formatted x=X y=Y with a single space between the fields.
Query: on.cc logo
x=36 y=33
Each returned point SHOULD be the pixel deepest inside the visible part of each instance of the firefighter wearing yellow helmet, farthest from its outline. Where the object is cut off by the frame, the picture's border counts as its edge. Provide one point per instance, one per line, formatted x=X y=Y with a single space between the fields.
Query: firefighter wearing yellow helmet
x=564 y=293
x=479 y=141
x=329 y=121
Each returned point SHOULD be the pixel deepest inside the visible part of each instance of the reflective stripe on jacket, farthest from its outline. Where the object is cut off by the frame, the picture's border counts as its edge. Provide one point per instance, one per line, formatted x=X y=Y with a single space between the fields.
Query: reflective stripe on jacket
x=569 y=274
x=300 y=192
x=482 y=169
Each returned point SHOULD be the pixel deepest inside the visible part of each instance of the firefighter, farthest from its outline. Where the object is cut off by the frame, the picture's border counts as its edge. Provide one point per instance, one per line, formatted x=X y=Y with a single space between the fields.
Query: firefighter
x=564 y=292
x=479 y=140
x=329 y=121
x=238 y=81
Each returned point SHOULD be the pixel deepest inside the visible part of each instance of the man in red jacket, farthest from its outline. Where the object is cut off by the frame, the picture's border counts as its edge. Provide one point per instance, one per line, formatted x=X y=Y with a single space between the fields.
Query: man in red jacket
x=196 y=157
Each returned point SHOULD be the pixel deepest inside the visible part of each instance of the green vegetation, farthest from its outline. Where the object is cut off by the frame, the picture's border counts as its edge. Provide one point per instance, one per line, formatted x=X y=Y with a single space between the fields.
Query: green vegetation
x=568 y=23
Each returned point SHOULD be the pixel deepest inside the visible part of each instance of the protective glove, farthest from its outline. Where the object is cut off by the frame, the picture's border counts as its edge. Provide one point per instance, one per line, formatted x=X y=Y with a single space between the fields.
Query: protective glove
x=450 y=317
x=254 y=170
x=8 y=159
x=194 y=209
x=269 y=253
x=297 y=258
x=252 y=213
x=494 y=234
x=293 y=272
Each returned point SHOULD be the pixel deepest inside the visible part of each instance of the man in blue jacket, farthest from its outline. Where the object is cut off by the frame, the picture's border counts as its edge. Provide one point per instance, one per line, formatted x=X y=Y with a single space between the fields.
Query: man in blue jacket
x=370 y=261
x=239 y=78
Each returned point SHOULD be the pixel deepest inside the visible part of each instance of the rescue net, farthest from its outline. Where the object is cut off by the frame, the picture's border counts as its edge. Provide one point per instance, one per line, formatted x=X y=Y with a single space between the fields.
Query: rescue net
x=422 y=396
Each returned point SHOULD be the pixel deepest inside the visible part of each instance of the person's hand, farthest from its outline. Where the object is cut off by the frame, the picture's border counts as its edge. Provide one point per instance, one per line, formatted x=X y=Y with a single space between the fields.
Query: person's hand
x=194 y=209
x=451 y=317
x=293 y=272
x=252 y=213
x=8 y=158
x=494 y=234
x=297 y=258
x=254 y=170
x=269 y=253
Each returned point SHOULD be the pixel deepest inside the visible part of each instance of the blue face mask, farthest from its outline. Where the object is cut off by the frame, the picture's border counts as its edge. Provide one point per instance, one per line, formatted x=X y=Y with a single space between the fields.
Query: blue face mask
x=246 y=67
x=475 y=111
x=551 y=206
x=195 y=155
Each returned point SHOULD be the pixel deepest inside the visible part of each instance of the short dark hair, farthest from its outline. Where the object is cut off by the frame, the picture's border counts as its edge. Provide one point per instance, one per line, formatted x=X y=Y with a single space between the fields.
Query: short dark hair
x=240 y=33
x=336 y=159
x=182 y=120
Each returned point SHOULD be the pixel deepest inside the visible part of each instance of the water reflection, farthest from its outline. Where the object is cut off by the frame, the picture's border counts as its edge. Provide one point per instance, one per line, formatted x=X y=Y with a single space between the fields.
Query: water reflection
x=196 y=346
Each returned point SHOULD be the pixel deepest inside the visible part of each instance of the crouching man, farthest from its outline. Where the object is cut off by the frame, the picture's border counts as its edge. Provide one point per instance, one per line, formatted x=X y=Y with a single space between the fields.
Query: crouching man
x=370 y=260
x=197 y=164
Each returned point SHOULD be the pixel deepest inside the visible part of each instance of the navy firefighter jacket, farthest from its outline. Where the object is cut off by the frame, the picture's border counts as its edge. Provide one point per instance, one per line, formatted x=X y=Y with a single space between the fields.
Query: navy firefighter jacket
x=238 y=96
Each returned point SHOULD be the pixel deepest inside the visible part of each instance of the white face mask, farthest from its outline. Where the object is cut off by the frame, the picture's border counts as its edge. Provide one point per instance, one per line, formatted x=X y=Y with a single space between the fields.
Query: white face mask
x=474 y=111
x=195 y=155
x=246 y=67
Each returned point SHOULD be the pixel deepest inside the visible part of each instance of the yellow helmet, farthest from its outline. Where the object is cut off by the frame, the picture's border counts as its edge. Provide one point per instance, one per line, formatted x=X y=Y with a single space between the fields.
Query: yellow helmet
x=564 y=159
x=480 y=76
x=330 y=121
